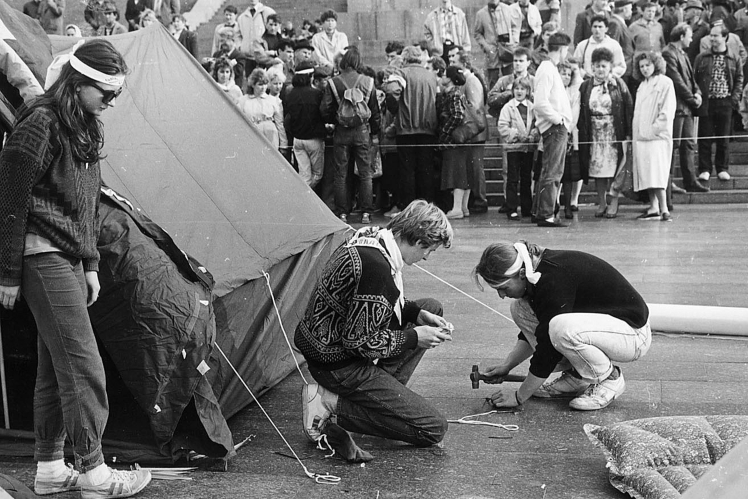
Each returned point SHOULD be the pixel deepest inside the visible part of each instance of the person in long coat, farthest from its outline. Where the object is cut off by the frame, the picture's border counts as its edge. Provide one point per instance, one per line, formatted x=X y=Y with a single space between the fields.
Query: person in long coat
x=606 y=111
x=652 y=132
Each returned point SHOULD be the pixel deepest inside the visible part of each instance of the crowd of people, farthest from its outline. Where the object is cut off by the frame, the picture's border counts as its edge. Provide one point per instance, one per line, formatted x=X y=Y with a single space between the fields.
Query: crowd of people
x=634 y=80
x=609 y=109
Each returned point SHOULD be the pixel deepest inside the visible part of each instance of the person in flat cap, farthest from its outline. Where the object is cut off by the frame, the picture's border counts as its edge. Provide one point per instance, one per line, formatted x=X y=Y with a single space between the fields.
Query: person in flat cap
x=618 y=30
x=692 y=15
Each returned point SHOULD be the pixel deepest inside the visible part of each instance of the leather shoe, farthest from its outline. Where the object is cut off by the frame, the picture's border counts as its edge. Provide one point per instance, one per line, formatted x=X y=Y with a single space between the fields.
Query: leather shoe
x=546 y=223
x=697 y=187
x=676 y=189
x=504 y=209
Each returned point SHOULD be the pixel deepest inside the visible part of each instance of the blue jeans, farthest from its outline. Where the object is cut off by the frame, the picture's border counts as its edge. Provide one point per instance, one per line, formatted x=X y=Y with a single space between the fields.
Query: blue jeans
x=374 y=400
x=70 y=395
x=554 y=158
x=355 y=141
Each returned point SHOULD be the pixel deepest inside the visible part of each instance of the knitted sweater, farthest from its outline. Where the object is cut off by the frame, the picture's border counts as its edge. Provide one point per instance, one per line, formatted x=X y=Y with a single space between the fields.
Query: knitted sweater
x=45 y=191
x=351 y=312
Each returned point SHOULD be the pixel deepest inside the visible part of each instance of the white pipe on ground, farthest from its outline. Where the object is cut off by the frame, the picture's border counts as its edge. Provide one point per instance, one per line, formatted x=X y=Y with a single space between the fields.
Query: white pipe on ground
x=694 y=319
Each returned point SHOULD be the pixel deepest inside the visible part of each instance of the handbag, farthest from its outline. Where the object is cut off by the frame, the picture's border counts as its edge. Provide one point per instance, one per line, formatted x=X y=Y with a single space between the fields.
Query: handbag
x=623 y=182
x=472 y=124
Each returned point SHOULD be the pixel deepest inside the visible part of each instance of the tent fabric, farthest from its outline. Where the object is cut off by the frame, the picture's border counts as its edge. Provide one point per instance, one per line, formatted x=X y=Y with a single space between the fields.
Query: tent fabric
x=180 y=150
x=154 y=317
x=184 y=156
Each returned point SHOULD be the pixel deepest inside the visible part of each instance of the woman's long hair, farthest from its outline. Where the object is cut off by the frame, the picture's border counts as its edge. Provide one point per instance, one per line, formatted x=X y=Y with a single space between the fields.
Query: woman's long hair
x=85 y=131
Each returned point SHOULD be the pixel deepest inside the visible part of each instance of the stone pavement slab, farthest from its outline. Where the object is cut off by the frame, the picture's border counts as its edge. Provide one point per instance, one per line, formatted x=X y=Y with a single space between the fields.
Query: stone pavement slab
x=699 y=259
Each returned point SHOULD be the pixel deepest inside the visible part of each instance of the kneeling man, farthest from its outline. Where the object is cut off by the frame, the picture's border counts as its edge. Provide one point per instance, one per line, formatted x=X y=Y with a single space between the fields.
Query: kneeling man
x=576 y=314
x=363 y=339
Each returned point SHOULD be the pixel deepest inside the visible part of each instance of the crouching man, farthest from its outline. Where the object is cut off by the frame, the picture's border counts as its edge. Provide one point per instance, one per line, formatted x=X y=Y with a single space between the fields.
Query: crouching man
x=576 y=314
x=362 y=339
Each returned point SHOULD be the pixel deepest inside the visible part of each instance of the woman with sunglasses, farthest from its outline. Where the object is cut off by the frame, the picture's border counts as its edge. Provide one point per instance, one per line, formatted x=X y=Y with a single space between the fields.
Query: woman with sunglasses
x=49 y=204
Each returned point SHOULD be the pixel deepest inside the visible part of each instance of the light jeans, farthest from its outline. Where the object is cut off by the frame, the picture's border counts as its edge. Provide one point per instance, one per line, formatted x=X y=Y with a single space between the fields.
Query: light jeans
x=310 y=156
x=589 y=342
x=70 y=397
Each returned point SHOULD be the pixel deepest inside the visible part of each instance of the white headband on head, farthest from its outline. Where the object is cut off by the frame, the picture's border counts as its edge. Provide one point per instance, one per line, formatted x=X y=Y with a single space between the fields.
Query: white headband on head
x=523 y=259
x=307 y=71
x=54 y=70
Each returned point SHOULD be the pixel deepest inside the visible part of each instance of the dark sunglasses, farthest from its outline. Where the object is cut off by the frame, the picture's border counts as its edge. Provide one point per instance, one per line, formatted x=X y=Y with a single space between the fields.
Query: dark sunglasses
x=107 y=96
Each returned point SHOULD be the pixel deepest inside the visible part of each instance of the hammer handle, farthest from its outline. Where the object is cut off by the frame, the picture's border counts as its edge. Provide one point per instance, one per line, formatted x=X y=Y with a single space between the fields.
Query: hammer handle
x=518 y=378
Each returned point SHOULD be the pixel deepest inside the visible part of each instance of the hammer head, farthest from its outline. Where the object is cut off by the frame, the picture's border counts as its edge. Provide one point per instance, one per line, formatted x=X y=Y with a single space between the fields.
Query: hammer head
x=475 y=377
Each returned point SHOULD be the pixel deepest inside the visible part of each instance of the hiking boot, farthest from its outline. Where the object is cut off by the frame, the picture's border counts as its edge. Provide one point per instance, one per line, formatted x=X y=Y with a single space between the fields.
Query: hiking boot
x=566 y=385
x=318 y=404
x=67 y=482
x=600 y=395
x=121 y=483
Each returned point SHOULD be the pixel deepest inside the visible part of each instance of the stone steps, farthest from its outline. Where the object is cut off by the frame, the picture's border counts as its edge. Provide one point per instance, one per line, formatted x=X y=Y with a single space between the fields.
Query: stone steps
x=734 y=190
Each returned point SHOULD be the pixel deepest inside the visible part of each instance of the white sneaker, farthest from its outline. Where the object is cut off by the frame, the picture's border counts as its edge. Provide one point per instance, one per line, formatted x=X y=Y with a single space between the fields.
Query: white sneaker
x=704 y=176
x=121 y=483
x=66 y=482
x=601 y=395
x=318 y=404
x=365 y=218
x=565 y=385
x=723 y=176
x=453 y=214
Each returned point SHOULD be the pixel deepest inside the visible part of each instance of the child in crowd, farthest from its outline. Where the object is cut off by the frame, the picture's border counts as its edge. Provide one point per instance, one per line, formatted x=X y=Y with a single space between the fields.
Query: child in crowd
x=518 y=134
x=223 y=73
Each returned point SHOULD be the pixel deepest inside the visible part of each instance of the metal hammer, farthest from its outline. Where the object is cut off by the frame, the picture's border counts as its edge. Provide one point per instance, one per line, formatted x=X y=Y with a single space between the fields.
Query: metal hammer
x=476 y=377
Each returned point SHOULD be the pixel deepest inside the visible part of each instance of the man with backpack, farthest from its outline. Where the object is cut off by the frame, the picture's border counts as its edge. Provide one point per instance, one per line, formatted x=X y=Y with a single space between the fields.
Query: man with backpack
x=350 y=103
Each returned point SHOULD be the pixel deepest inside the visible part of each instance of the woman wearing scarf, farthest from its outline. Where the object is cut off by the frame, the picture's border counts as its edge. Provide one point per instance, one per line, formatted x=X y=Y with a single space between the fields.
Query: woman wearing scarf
x=357 y=315
x=576 y=314
x=604 y=124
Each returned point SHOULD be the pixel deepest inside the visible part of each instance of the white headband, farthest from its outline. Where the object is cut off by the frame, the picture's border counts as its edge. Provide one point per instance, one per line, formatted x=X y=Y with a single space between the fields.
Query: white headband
x=523 y=258
x=54 y=70
x=307 y=71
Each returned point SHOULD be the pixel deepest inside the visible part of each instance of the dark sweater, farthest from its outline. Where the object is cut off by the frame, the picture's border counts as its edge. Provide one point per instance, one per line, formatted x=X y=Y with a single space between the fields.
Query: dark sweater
x=302 y=117
x=576 y=282
x=45 y=191
x=350 y=314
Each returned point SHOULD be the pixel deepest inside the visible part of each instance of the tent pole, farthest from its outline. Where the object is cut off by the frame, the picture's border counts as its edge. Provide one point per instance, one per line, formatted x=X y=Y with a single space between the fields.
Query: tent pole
x=6 y=413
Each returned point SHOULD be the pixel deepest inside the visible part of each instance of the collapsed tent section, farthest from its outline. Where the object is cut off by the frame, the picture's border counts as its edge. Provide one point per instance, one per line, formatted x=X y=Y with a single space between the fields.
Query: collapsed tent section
x=179 y=153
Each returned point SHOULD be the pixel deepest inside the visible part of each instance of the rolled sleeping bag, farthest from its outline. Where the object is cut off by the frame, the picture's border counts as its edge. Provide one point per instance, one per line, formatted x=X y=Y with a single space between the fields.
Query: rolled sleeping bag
x=695 y=319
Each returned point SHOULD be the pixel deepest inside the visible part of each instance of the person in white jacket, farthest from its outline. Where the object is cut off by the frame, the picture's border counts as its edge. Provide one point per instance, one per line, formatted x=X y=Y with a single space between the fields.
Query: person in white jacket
x=652 y=132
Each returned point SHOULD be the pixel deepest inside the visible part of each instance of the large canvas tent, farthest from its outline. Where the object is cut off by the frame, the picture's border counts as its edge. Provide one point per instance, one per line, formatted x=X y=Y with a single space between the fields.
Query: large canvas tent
x=184 y=156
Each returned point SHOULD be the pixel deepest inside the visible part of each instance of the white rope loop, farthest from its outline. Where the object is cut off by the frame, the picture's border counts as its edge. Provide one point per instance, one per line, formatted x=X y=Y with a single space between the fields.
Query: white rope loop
x=469 y=420
x=317 y=477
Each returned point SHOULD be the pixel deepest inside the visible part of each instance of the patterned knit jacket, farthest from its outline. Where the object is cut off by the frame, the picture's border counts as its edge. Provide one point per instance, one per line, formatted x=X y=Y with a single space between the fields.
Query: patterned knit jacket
x=45 y=191
x=351 y=312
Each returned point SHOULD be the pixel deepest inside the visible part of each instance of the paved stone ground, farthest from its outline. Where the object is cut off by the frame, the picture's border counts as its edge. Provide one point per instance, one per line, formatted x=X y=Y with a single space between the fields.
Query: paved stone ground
x=698 y=259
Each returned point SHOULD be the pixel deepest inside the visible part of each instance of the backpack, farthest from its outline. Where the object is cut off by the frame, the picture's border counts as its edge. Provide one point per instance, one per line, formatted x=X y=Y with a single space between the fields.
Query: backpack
x=353 y=108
